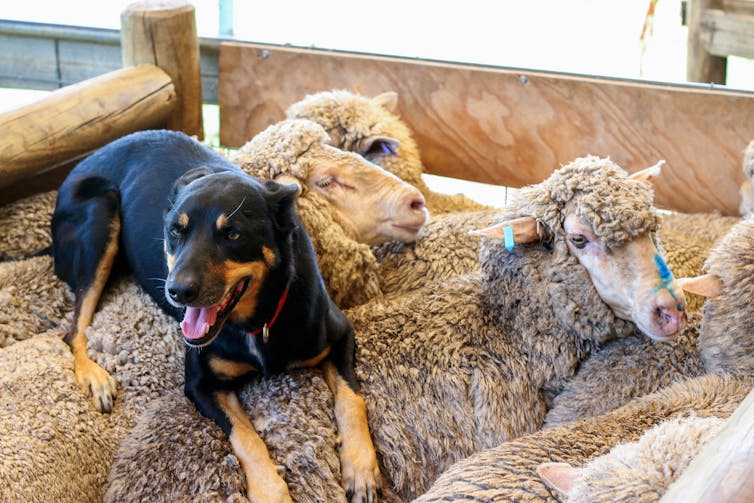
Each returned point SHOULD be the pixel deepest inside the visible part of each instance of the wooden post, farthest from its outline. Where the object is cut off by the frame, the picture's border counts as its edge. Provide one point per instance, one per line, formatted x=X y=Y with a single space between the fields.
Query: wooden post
x=723 y=472
x=701 y=66
x=163 y=33
x=75 y=120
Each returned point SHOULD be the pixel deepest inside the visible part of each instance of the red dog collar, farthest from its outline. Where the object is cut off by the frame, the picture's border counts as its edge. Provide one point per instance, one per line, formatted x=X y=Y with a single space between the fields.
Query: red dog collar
x=265 y=329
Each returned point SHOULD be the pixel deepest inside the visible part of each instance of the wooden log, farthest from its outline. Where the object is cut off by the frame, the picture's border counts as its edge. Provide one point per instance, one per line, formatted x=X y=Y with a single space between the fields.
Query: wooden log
x=701 y=66
x=78 y=119
x=727 y=33
x=511 y=127
x=163 y=33
x=723 y=472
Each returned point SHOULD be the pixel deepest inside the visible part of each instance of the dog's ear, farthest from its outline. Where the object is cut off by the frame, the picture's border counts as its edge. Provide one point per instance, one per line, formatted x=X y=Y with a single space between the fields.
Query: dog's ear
x=188 y=177
x=281 y=200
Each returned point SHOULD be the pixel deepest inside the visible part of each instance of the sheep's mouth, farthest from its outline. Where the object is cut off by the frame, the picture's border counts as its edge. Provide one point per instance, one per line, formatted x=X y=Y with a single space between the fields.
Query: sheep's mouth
x=201 y=325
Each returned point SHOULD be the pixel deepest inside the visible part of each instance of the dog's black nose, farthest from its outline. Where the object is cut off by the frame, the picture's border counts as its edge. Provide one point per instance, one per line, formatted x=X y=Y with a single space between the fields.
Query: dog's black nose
x=184 y=293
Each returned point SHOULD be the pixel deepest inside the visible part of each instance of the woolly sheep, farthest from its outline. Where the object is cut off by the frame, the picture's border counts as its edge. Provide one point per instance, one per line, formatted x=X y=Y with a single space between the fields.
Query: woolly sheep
x=371 y=127
x=639 y=471
x=445 y=371
x=746 y=207
x=345 y=203
x=508 y=472
x=25 y=225
x=721 y=341
x=72 y=444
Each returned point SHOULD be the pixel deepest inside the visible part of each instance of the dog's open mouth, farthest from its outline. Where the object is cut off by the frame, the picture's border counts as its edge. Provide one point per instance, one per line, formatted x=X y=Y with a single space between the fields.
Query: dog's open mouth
x=201 y=325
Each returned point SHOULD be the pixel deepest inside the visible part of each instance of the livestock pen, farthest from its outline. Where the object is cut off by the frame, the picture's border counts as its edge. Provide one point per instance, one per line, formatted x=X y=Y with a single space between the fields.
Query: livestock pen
x=503 y=126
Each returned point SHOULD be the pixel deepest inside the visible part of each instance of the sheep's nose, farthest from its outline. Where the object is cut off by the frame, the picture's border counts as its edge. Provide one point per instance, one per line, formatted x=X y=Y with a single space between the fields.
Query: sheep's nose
x=670 y=315
x=417 y=204
x=183 y=292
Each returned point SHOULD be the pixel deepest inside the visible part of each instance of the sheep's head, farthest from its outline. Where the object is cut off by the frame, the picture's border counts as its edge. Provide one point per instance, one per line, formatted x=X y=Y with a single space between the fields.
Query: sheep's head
x=593 y=211
x=746 y=191
x=726 y=336
x=373 y=205
x=367 y=126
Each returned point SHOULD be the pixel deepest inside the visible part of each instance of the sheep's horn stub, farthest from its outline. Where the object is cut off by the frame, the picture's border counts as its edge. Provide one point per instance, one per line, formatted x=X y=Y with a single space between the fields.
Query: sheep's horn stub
x=707 y=285
x=518 y=231
x=646 y=175
x=558 y=476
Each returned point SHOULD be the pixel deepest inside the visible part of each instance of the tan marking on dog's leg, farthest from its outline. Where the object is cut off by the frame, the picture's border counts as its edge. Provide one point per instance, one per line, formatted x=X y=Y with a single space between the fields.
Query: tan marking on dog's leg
x=358 y=459
x=263 y=483
x=229 y=369
x=90 y=377
x=311 y=362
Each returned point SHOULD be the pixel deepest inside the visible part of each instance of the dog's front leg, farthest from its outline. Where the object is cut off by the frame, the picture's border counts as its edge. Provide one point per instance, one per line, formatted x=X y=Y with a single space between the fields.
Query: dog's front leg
x=263 y=483
x=358 y=459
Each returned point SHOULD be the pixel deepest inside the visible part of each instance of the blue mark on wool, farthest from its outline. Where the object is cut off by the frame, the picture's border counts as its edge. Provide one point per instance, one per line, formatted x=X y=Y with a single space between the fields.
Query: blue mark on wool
x=665 y=275
x=508 y=236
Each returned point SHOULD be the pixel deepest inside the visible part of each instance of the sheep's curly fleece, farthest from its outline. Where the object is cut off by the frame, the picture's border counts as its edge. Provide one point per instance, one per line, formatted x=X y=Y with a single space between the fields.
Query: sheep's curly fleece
x=445 y=371
x=720 y=341
x=351 y=117
x=73 y=445
x=508 y=472
x=288 y=147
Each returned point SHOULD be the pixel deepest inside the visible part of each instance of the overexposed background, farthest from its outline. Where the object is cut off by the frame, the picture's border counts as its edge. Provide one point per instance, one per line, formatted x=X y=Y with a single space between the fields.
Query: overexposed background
x=589 y=37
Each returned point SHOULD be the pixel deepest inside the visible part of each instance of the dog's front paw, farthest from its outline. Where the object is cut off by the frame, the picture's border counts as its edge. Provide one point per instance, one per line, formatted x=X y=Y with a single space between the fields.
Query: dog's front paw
x=95 y=381
x=267 y=488
x=361 y=474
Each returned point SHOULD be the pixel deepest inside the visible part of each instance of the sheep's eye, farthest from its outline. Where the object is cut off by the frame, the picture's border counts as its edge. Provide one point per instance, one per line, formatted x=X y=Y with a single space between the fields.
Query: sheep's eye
x=325 y=182
x=578 y=240
x=232 y=235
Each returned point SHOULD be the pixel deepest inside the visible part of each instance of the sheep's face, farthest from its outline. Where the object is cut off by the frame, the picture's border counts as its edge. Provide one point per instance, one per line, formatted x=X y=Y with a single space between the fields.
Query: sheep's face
x=632 y=279
x=372 y=204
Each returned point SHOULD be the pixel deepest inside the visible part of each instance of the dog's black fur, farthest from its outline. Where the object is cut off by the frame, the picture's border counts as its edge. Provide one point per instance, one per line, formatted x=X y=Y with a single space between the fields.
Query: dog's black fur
x=162 y=185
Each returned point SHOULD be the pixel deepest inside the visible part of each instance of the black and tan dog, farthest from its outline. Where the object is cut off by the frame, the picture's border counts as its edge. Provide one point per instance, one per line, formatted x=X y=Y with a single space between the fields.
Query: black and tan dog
x=240 y=272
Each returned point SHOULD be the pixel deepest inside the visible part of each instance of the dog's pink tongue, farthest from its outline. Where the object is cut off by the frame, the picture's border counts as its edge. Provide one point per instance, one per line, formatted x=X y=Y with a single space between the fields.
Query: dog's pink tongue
x=197 y=321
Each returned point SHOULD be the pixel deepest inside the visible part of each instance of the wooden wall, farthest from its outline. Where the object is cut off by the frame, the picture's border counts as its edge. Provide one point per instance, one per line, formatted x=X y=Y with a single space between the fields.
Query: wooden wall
x=511 y=127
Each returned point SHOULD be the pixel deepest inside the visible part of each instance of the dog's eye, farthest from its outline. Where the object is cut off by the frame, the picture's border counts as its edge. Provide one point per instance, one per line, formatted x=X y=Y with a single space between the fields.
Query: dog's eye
x=578 y=240
x=175 y=231
x=232 y=235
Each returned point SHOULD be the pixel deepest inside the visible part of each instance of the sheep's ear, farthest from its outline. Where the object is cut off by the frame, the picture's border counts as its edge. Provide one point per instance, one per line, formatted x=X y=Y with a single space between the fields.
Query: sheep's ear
x=518 y=231
x=648 y=174
x=707 y=285
x=378 y=145
x=387 y=100
x=559 y=476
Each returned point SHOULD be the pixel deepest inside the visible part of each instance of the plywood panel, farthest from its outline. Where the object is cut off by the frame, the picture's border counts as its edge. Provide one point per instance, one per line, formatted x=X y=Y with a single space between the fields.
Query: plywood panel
x=511 y=127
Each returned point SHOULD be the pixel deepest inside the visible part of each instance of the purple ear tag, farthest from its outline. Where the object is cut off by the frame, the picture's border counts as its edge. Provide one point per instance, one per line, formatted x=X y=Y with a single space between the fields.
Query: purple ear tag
x=508 y=238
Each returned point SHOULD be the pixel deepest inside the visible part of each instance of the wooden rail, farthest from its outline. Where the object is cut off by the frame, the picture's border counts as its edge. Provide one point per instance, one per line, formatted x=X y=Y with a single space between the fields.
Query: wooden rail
x=73 y=121
x=723 y=472
x=511 y=127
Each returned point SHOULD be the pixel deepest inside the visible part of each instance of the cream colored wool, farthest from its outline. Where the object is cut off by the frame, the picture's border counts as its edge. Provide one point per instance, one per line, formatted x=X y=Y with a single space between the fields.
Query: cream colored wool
x=25 y=226
x=722 y=341
x=445 y=371
x=507 y=472
x=351 y=118
x=642 y=471
x=72 y=444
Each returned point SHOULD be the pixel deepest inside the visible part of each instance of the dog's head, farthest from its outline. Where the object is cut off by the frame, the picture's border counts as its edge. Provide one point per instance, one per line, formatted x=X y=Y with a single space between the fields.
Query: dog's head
x=223 y=234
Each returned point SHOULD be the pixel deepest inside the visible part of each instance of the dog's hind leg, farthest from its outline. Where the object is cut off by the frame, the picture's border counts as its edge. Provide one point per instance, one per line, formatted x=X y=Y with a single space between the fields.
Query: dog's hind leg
x=85 y=243
x=358 y=460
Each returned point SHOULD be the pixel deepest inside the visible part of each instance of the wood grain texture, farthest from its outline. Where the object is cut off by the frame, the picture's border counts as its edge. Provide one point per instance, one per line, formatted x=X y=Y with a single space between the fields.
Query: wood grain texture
x=511 y=127
x=80 y=118
x=727 y=33
x=723 y=472
x=163 y=33
x=701 y=66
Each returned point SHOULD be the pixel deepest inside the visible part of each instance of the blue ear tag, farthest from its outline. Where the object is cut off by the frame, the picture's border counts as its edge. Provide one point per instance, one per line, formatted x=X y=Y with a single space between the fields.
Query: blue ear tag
x=508 y=236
